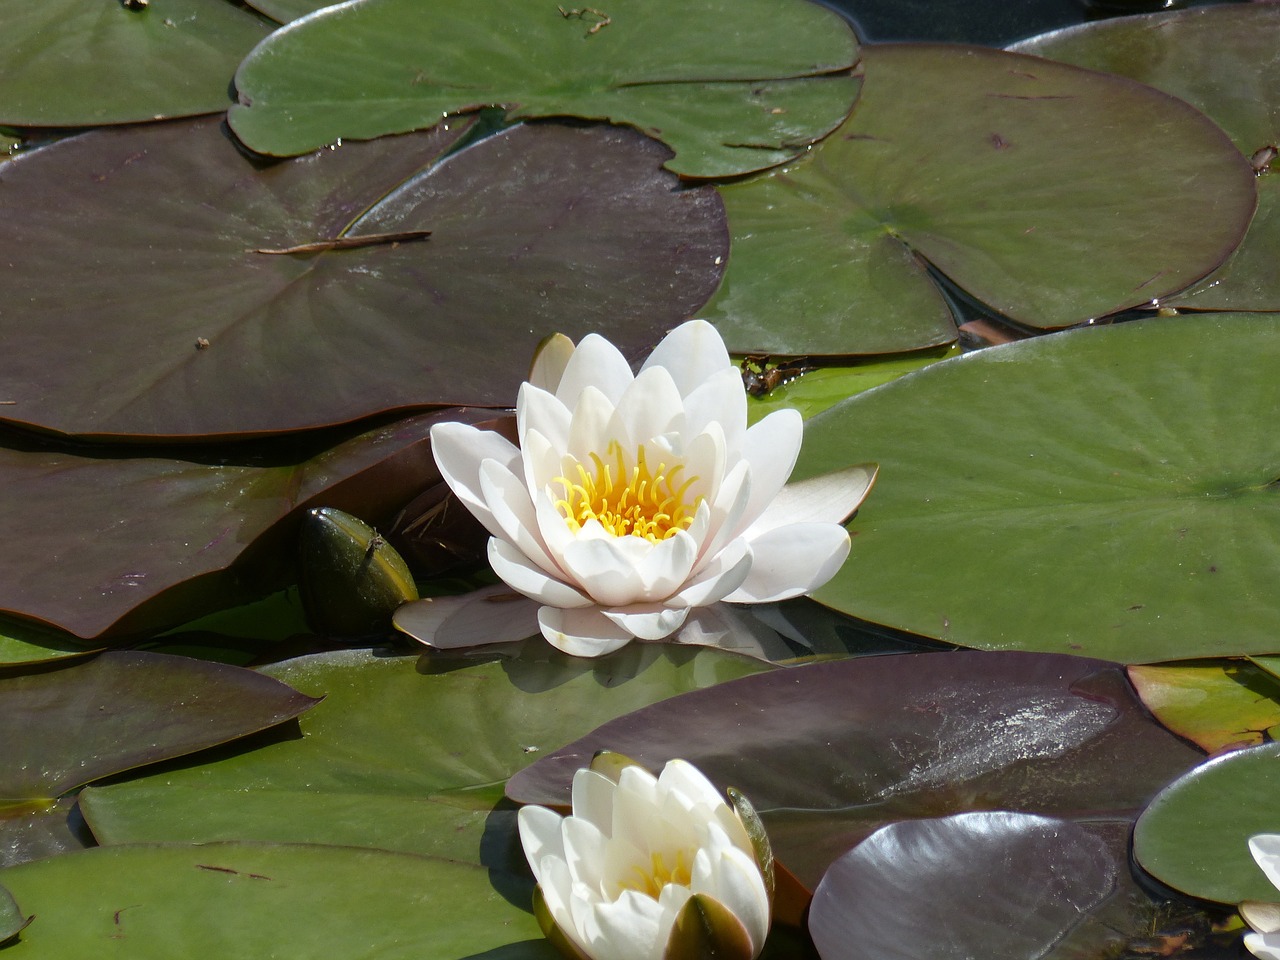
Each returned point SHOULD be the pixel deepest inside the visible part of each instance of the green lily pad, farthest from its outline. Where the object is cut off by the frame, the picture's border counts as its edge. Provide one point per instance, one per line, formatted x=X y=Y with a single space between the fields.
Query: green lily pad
x=405 y=753
x=1217 y=705
x=1222 y=61
x=1195 y=835
x=286 y=901
x=1109 y=491
x=65 y=63
x=829 y=752
x=969 y=159
x=111 y=545
x=115 y=239
x=283 y=11
x=30 y=643
x=366 y=69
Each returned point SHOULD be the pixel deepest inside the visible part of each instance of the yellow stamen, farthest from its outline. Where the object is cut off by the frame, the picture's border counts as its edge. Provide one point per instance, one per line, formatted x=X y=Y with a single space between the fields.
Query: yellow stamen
x=641 y=502
x=659 y=874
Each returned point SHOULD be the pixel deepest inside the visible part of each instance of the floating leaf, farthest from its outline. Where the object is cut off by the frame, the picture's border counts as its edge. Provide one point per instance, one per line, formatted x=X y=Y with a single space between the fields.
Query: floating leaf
x=829 y=752
x=97 y=545
x=1002 y=886
x=969 y=159
x=405 y=753
x=1216 y=705
x=1222 y=61
x=1195 y=835
x=386 y=66
x=1109 y=491
x=115 y=239
x=285 y=10
x=66 y=63
x=286 y=901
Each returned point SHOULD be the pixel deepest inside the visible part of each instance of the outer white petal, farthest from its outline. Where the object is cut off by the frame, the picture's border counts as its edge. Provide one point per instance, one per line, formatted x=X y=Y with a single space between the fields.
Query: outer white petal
x=592 y=798
x=721 y=400
x=542 y=463
x=540 y=836
x=628 y=928
x=585 y=847
x=558 y=892
x=688 y=782
x=584 y=632
x=541 y=411
x=771 y=447
x=509 y=501
x=596 y=362
x=648 y=622
x=728 y=512
x=524 y=576
x=667 y=566
x=1265 y=848
x=1263 y=945
x=828 y=498
x=648 y=408
x=792 y=560
x=718 y=577
x=732 y=877
x=549 y=361
x=589 y=426
x=607 y=567
x=693 y=352
x=459 y=449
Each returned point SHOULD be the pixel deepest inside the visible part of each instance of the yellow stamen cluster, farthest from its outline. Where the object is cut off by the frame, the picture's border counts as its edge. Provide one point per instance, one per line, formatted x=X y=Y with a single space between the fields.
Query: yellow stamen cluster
x=659 y=874
x=639 y=502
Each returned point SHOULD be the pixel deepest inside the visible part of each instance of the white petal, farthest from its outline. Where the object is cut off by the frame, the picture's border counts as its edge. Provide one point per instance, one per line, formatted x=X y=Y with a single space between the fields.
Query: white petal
x=734 y=879
x=585 y=632
x=509 y=501
x=629 y=928
x=771 y=447
x=1263 y=945
x=683 y=778
x=596 y=362
x=648 y=622
x=607 y=568
x=488 y=615
x=648 y=408
x=722 y=400
x=705 y=461
x=540 y=836
x=828 y=498
x=592 y=798
x=692 y=352
x=523 y=575
x=558 y=892
x=588 y=428
x=459 y=449
x=1263 y=917
x=667 y=566
x=584 y=852
x=549 y=361
x=543 y=463
x=552 y=526
x=717 y=578
x=1265 y=848
x=792 y=560
x=728 y=512
x=541 y=411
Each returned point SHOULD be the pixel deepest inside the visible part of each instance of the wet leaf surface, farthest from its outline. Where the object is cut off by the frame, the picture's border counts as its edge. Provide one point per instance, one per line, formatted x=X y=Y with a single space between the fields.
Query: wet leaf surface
x=1108 y=491
x=137 y=543
x=118 y=333
x=961 y=157
x=395 y=65
x=829 y=752
x=65 y=63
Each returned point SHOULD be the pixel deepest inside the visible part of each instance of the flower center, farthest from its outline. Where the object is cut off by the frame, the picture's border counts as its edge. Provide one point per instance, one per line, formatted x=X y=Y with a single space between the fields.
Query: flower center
x=660 y=874
x=640 y=502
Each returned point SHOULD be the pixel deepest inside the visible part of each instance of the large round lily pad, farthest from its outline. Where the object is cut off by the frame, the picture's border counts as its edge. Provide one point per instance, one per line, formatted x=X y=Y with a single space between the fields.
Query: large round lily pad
x=1221 y=60
x=285 y=901
x=1195 y=835
x=67 y=63
x=829 y=752
x=1108 y=491
x=121 y=545
x=972 y=160
x=731 y=85
x=147 y=283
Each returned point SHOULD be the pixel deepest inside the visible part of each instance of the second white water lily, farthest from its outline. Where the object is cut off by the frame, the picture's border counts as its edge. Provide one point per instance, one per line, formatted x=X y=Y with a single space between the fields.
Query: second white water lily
x=632 y=499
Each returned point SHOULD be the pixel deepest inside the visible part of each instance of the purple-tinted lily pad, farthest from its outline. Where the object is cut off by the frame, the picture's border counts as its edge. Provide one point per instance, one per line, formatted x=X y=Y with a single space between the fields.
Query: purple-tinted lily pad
x=829 y=752
x=100 y=545
x=79 y=721
x=155 y=281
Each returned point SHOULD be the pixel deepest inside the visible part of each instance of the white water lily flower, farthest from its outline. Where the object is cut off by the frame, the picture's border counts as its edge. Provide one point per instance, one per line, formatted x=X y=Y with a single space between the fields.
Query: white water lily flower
x=632 y=499
x=645 y=864
x=1264 y=918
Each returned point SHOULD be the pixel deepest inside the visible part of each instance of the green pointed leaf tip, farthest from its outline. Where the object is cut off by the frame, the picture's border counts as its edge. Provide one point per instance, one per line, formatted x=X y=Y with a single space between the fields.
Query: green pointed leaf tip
x=968 y=159
x=987 y=524
x=759 y=836
x=705 y=929
x=351 y=579
x=727 y=104
x=65 y=63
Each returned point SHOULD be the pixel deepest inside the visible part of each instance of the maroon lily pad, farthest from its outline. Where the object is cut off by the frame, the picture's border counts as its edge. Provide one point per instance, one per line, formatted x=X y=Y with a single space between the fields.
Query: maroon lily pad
x=156 y=281
x=100 y=545
x=829 y=752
